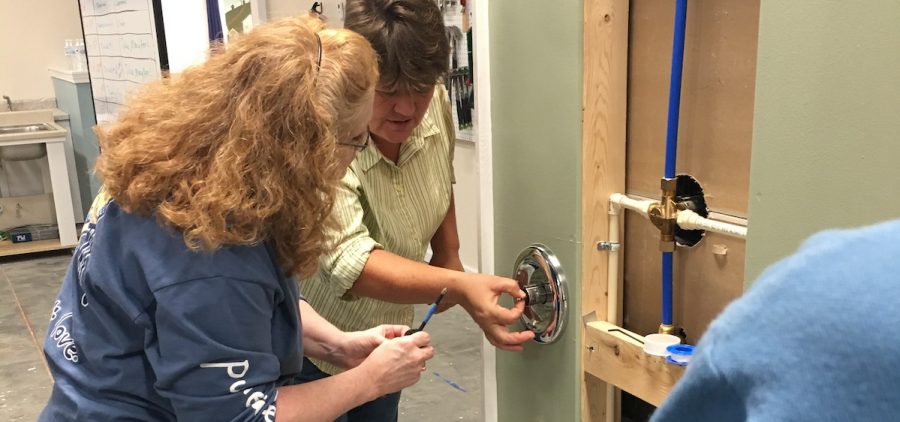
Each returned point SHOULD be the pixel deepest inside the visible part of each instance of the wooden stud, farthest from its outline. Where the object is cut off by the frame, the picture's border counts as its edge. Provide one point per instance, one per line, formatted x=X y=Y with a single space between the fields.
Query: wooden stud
x=616 y=358
x=604 y=101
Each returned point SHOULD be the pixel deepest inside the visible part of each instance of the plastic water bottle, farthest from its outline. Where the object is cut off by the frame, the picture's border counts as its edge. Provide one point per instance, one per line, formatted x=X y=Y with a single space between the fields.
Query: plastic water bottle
x=80 y=62
x=69 y=51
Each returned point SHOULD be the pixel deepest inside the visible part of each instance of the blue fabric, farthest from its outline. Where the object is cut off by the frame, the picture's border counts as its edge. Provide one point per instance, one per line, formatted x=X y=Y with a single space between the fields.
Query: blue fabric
x=146 y=329
x=816 y=338
x=382 y=409
x=213 y=20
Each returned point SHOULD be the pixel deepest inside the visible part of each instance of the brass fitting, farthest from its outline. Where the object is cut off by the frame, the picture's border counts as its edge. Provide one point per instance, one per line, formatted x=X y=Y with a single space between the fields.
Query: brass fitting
x=667 y=329
x=663 y=215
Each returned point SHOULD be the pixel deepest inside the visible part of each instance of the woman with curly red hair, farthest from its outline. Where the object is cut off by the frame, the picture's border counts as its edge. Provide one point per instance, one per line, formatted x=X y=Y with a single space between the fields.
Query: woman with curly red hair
x=179 y=303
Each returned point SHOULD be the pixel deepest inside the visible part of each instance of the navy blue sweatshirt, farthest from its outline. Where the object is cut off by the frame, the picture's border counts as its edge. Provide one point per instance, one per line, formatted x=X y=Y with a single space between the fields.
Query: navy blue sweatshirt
x=146 y=329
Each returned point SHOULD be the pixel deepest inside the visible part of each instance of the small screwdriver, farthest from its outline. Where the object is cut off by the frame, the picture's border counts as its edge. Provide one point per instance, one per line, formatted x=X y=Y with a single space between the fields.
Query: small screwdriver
x=428 y=314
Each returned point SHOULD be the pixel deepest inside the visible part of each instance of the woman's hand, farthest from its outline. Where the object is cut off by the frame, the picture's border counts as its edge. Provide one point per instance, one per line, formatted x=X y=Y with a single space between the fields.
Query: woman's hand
x=398 y=363
x=356 y=346
x=480 y=296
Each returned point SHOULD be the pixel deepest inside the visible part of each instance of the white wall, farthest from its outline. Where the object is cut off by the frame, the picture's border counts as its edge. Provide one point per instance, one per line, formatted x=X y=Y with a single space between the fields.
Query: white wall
x=333 y=10
x=32 y=33
x=187 y=33
x=284 y=8
x=465 y=193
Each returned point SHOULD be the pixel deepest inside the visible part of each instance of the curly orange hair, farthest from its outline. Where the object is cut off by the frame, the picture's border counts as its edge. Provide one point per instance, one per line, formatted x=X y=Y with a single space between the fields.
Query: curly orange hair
x=241 y=149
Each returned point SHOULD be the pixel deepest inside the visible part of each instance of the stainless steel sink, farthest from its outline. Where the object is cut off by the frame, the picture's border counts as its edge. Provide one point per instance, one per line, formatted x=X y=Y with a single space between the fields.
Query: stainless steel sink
x=35 y=127
x=23 y=152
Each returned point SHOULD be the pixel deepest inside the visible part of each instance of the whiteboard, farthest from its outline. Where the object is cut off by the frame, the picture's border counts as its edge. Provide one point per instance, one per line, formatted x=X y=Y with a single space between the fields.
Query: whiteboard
x=120 y=38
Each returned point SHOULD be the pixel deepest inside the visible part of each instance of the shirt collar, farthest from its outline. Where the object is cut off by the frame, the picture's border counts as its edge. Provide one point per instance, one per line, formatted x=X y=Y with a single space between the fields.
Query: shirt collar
x=367 y=159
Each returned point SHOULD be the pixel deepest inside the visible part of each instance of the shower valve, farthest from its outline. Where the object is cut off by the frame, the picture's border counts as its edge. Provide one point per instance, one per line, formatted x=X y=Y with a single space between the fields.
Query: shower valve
x=540 y=276
x=663 y=215
x=538 y=294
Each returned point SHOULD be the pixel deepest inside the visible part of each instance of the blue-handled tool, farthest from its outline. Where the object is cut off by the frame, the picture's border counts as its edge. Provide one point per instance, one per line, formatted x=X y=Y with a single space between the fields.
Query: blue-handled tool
x=428 y=314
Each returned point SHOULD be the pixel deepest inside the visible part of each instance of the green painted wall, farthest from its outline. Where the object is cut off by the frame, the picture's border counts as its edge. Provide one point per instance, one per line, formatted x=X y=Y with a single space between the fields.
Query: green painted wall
x=826 y=139
x=536 y=117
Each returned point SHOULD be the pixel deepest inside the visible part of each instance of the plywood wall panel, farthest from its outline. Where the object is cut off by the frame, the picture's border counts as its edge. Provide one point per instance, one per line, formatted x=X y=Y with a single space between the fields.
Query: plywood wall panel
x=704 y=281
x=717 y=97
x=707 y=282
x=642 y=287
x=714 y=147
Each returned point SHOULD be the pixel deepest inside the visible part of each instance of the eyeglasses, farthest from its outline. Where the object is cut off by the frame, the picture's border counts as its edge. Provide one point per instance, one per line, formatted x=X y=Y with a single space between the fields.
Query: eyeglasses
x=359 y=145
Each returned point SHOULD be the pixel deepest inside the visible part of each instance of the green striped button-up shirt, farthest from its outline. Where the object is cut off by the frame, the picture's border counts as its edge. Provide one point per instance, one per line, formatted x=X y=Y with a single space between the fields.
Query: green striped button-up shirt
x=380 y=204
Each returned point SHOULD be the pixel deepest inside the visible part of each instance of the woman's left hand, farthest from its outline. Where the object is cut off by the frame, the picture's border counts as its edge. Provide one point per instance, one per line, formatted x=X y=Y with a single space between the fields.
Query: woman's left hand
x=356 y=345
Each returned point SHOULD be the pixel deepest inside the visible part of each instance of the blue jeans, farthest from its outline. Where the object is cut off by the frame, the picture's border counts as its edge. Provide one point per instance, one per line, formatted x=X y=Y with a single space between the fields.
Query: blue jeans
x=382 y=409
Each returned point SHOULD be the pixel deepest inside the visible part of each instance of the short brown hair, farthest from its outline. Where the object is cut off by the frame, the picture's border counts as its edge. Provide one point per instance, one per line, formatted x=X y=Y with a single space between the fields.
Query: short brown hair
x=409 y=38
x=241 y=149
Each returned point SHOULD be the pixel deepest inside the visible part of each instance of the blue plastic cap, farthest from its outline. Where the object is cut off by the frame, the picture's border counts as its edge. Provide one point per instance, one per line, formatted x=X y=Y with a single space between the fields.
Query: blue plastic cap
x=681 y=349
x=669 y=359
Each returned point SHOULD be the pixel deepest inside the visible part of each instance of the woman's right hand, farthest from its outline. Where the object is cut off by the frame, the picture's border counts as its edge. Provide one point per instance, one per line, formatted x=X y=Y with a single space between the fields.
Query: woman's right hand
x=480 y=297
x=398 y=363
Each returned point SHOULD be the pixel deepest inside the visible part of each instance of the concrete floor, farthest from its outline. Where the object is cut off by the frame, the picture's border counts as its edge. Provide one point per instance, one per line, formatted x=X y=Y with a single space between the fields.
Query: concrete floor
x=450 y=390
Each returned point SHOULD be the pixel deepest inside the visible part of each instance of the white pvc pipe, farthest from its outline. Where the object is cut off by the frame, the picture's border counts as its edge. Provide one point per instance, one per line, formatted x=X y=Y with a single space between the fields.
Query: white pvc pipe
x=641 y=206
x=690 y=220
x=612 y=288
x=725 y=218
x=686 y=219
x=612 y=273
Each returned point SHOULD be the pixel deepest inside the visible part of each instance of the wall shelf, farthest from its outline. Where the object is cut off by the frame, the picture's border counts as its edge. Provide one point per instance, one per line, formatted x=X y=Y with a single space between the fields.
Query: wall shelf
x=7 y=248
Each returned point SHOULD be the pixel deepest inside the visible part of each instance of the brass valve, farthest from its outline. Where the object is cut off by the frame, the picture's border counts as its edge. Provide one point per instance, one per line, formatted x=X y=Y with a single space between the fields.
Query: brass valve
x=663 y=215
x=667 y=329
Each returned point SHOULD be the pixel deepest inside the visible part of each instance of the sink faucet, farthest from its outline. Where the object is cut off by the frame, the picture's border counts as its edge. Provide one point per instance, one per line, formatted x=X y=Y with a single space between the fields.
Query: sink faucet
x=8 y=102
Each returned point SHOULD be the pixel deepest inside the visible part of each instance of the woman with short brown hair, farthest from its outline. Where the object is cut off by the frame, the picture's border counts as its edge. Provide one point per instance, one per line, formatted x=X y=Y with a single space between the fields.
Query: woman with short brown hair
x=396 y=200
